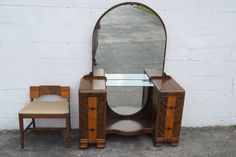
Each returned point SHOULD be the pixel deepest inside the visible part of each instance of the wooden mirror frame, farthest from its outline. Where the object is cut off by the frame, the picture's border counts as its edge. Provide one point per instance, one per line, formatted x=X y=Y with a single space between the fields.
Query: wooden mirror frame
x=129 y=3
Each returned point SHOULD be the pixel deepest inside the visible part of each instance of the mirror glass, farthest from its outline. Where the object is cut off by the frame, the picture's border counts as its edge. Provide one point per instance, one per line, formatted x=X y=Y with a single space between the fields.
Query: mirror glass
x=127 y=40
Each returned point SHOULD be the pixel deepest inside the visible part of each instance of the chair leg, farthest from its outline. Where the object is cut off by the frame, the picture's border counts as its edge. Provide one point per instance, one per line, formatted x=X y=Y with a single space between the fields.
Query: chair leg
x=33 y=120
x=70 y=123
x=68 y=131
x=21 y=125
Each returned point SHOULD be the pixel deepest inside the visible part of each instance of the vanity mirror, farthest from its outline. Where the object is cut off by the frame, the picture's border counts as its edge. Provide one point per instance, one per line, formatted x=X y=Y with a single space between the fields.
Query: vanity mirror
x=127 y=92
x=127 y=40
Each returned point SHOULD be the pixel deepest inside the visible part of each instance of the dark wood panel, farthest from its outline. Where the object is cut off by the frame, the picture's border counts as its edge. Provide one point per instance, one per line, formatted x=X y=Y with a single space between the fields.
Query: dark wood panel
x=49 y=90
x=101 y=114
x=83 y=117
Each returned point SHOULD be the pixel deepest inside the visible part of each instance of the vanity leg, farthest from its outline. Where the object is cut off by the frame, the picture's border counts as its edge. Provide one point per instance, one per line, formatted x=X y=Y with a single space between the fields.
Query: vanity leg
x=174 y=141
x=100 y=143
x=83 y=143
x=158 y=142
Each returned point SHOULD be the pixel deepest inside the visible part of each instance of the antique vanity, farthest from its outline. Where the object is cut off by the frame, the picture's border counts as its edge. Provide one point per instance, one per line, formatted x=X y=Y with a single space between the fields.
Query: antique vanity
x=127 y=92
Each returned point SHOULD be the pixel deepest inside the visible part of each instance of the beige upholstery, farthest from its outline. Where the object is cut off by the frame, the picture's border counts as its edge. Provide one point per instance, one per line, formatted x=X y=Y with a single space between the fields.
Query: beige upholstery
x=46 y=108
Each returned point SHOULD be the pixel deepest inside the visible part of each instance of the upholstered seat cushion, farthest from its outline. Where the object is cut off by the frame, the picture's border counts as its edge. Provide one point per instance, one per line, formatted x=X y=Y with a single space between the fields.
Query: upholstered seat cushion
x=46 y=108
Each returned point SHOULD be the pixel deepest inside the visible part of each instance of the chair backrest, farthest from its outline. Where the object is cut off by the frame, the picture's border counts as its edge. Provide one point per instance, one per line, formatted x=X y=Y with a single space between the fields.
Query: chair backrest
x=37 y=91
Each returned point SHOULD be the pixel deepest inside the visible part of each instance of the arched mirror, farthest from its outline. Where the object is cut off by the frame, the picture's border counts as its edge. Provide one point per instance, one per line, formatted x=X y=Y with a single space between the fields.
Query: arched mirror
x=128 y=39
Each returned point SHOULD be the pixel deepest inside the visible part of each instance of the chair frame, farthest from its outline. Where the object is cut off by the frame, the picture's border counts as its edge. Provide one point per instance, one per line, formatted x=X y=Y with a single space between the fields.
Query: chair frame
x=36 y=92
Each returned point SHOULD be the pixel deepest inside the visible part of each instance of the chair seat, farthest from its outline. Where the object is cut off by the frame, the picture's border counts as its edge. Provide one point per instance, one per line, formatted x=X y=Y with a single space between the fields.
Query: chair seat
x=46 y=108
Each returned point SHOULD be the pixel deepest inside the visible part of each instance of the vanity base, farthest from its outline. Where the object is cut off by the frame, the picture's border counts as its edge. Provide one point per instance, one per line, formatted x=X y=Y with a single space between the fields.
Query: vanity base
x=160 y=116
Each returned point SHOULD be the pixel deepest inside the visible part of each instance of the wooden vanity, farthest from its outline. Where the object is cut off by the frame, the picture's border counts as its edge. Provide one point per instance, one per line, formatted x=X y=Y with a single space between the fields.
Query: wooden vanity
x=161 y=115
x=161 y=108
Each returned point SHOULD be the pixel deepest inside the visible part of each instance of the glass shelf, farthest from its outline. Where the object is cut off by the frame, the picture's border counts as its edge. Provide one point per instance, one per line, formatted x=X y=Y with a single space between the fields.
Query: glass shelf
x=128 y=80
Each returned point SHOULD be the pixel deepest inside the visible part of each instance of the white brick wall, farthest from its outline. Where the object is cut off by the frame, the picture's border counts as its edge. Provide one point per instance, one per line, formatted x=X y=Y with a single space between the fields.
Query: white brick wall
x=49 y=42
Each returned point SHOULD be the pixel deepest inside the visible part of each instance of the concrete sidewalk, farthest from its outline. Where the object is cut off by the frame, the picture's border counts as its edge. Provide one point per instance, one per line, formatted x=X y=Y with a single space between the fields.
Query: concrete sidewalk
x=204 y=142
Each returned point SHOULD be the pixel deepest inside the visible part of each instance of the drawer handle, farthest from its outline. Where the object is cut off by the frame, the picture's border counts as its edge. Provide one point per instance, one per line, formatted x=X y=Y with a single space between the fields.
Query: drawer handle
x=92 y=129
x=171 y=108
x=92 y=108
x=168 y=129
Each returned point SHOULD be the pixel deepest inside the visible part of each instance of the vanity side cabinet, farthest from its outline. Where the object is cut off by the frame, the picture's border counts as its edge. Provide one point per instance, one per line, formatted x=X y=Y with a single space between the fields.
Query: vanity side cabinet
x=168 y=99
x=92 y=112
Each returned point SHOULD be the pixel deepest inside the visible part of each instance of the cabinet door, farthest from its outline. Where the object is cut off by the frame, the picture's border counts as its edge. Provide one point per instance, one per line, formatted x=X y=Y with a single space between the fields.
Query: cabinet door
x=169 y=117
x=92 y=110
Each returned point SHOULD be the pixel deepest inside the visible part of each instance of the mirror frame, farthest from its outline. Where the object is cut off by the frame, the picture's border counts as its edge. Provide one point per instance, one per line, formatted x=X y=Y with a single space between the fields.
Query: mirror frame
x=130 y=3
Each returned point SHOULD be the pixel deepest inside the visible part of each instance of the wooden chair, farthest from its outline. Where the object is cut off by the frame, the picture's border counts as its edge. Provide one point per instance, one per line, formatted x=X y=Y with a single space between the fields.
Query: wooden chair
x=37 y=109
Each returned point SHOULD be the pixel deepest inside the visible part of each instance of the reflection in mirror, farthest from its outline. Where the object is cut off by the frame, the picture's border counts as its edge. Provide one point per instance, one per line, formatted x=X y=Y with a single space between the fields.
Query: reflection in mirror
x=128 y=40
x=127 y=99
